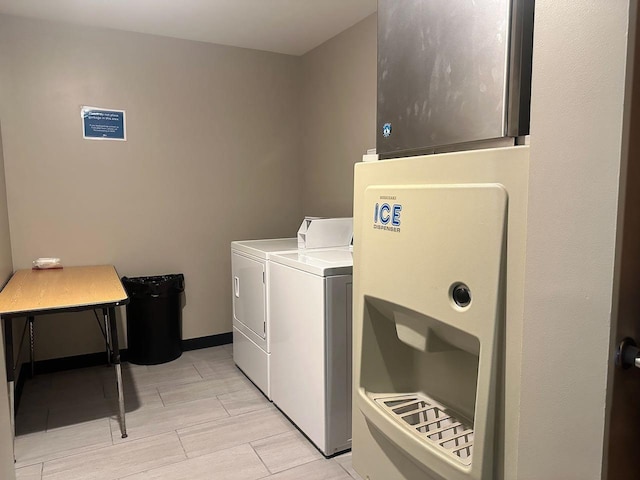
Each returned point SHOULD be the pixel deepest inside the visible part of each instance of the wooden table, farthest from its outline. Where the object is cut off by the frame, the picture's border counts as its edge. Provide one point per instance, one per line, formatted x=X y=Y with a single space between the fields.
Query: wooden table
x=71 y=289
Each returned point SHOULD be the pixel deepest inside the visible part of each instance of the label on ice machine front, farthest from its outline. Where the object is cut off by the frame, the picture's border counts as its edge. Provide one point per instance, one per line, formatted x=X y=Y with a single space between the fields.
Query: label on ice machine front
x=386 y=215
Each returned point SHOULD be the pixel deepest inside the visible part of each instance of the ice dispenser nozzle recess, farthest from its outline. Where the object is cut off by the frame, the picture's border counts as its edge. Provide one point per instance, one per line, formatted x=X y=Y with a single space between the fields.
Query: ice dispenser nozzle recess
x=430 y=325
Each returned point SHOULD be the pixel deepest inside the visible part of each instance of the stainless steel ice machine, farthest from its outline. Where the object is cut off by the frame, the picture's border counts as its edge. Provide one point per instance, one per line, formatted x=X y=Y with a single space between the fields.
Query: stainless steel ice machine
x=452 y=73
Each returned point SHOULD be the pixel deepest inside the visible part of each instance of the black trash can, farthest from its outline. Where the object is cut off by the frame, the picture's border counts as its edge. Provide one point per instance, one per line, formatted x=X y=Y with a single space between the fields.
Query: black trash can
x=154 y=318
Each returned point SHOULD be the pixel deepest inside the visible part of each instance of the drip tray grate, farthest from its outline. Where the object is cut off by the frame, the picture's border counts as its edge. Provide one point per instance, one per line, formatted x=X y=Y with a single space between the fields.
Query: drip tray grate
x=432 y=423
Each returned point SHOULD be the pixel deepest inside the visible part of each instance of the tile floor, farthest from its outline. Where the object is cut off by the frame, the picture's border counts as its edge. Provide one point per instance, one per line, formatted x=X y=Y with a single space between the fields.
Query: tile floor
x=197 y=417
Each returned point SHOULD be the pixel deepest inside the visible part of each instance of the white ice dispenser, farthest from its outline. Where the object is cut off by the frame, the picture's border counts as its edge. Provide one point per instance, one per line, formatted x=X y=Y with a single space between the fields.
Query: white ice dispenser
x=432 y=236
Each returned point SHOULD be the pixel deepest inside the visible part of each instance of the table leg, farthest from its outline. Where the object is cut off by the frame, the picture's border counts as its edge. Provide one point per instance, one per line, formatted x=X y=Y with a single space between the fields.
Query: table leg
x=106 y=335
x=31 y=319
x=116 y=361
x=8 y=352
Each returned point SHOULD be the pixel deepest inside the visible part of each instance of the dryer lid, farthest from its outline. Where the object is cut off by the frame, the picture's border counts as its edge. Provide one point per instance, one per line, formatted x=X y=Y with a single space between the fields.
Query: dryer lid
x=263 y=248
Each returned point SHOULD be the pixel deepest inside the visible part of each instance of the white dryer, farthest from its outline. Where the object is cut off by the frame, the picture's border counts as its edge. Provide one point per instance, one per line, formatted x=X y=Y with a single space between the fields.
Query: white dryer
x=249 y=265
x=310 y=323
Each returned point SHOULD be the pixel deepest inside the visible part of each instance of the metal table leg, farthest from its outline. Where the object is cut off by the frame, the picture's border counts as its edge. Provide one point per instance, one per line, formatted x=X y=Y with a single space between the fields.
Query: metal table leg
x=106 y=335
x=116 y=361
x=8 y=353
x=31 y=319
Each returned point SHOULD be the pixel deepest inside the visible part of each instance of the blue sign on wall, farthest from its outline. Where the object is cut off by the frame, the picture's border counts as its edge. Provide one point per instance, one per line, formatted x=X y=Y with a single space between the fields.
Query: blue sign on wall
x=103 y=124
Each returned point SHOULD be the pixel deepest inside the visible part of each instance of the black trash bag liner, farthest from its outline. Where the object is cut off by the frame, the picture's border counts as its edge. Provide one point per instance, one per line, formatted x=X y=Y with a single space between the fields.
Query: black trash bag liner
x=159 y=285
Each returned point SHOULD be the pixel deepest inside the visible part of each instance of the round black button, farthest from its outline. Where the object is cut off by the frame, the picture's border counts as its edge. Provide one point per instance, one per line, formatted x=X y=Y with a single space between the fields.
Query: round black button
x=461 y=295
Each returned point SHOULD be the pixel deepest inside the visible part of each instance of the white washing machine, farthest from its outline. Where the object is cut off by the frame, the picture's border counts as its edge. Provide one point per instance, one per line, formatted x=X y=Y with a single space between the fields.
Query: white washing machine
x=310 y=322
x=249 y=266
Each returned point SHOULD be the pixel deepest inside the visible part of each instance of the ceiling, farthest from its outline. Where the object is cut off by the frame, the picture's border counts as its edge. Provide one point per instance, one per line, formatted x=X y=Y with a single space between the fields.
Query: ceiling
x=285 y=26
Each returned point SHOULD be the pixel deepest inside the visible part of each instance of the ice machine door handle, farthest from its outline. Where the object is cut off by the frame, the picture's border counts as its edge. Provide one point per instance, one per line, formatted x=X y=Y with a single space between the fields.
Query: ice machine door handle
x=628 y=354
x=236 y=287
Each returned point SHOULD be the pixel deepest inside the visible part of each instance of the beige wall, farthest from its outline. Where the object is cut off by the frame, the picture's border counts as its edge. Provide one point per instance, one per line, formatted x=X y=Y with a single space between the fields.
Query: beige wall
x=580 y=53
x=211 y=156
x=223 y=143
x=6 y=436
x=6 y=265
x=338 y=116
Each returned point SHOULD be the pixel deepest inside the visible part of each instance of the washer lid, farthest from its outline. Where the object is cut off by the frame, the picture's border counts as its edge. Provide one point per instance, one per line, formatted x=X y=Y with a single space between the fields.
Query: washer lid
x=263 y=248
x=324 y=263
